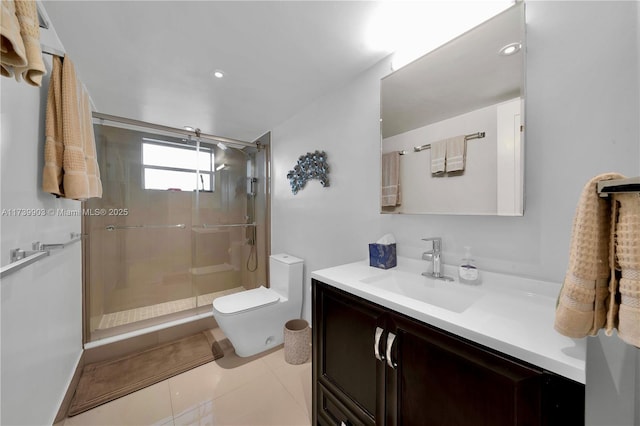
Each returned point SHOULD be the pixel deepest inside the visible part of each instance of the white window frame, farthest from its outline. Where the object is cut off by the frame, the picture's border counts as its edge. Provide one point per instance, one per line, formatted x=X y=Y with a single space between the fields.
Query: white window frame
x=206 y=174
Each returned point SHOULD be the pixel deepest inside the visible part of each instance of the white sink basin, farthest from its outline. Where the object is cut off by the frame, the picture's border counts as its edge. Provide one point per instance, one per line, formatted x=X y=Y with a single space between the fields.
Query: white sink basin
x=444 y=294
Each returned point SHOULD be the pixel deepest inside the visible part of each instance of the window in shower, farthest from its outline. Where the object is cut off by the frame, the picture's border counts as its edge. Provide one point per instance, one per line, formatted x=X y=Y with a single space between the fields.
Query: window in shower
x=167 y=166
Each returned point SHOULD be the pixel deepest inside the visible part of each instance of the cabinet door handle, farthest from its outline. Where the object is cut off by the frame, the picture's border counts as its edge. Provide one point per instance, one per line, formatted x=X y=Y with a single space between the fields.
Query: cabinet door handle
x=376 y=344
x=390 y=339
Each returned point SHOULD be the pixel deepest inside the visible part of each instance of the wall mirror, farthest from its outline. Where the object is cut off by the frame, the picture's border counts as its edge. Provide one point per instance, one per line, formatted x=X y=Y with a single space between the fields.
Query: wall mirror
x=464 y=99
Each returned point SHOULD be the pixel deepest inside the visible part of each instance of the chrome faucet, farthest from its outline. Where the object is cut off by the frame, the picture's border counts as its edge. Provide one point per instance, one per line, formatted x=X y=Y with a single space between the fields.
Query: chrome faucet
x=436 y=257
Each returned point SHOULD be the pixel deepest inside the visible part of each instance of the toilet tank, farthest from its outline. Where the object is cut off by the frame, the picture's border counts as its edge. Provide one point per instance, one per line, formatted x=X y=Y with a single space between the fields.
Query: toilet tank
x=285 y=275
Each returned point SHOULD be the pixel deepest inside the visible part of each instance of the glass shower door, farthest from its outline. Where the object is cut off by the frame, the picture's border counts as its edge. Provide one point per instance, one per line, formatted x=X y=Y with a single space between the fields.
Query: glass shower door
x=139 y=251
x=184 y=222
x=225 y=258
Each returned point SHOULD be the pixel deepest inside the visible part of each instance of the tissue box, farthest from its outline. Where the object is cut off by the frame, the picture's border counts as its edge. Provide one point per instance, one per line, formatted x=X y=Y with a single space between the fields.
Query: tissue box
x=382 y=255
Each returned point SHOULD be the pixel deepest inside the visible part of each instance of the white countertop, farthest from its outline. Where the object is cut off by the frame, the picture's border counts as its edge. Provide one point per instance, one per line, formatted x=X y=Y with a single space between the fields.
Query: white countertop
x=510 y=314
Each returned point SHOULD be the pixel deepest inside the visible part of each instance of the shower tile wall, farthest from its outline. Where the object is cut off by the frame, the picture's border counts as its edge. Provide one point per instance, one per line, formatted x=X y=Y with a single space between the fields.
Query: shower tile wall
x=138 y=268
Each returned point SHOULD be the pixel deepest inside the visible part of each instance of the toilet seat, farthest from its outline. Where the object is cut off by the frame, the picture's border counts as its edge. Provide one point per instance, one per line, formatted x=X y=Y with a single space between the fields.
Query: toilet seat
x=245 y=301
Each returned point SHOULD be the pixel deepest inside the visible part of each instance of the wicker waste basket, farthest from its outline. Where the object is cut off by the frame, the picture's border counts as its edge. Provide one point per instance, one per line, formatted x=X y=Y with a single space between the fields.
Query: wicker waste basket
x=297 y=341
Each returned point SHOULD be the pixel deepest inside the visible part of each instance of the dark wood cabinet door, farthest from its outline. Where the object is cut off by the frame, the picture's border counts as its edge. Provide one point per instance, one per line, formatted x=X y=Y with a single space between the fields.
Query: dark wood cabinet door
x=423 y=375
x=443 y=380
x=345 y=364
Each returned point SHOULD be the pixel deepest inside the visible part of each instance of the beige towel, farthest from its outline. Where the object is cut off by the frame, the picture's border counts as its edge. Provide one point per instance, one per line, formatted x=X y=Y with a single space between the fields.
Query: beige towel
x=71 y=169
x=27 y=14
x=627 y=254
x=390 y=193
x=438 y=157
x=53 y=147
x=456 y=153
x=20 y=46
x=12 y=50
x=602 y=285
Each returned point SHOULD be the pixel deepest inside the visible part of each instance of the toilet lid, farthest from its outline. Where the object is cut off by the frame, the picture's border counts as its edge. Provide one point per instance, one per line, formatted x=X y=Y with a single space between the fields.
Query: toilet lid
x=245 y=300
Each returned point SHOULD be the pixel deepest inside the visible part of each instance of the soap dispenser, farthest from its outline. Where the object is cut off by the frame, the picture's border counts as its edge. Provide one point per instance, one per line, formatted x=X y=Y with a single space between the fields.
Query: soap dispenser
x=468 y=272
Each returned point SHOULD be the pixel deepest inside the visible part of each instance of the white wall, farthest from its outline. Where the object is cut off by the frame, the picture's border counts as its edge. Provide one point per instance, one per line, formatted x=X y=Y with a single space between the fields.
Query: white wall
x=41 y=313
x=582 y=109
x=329 y=226
x=474 y=192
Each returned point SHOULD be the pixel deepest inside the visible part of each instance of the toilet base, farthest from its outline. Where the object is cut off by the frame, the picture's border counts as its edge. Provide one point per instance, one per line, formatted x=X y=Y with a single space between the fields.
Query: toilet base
x=257 y=331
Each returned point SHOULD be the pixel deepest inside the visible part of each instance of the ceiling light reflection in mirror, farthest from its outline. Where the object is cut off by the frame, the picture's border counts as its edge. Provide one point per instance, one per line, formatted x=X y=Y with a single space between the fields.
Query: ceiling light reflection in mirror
x=412 y=28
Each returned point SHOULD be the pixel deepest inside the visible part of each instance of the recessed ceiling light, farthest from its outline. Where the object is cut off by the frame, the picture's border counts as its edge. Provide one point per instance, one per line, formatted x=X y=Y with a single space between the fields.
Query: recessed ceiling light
x=218 y=73
x=189 y=129
x=510 y=49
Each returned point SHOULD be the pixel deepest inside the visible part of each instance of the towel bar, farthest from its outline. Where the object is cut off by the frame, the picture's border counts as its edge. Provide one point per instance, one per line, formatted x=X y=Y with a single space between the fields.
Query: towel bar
x=231 y=225
x=114 y=227
x=21 y=258
x=612 y=186
x=478 y=135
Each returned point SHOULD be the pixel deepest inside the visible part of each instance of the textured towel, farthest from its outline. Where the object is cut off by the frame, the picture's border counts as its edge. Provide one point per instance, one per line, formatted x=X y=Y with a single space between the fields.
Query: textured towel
x=627 y=254
x=12 y=51
x=20 y=42
x=605 y=238
x=456 y=153
x=438 y=156
x=53 y=147
x=390 y=194
x=71 y=168
x=34 y=69
x=582 y=303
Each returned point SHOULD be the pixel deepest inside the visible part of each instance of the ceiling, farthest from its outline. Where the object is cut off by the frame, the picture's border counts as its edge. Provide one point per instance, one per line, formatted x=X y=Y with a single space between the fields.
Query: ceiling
x=153 y=61
x=463 y=75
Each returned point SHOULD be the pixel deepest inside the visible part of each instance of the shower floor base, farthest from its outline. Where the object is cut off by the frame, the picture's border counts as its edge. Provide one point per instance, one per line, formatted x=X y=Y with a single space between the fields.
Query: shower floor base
x=117 y=319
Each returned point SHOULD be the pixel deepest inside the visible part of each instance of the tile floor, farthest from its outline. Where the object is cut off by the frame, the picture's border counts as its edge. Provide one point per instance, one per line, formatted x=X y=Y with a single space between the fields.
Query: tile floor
x=263 y=390
x=129 y=316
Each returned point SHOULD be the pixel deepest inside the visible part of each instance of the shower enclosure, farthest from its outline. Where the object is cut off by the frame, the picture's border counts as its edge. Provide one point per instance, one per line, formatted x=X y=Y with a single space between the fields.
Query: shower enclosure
x=183 y=219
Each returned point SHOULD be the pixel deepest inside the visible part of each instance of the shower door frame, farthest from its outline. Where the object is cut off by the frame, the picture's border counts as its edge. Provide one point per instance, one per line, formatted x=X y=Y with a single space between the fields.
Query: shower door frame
x=262 y=143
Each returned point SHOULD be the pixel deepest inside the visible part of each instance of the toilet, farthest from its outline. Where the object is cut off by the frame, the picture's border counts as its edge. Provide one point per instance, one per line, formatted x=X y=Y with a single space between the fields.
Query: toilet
x=253 y=320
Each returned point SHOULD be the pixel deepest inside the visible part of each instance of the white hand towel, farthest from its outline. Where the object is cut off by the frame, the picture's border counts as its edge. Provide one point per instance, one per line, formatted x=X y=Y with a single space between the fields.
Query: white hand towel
x=456 y=153
x=438 y=156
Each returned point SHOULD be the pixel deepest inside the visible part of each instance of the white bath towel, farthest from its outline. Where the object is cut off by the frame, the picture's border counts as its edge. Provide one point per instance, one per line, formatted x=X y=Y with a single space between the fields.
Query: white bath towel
x=456 y=153
x=438 y=157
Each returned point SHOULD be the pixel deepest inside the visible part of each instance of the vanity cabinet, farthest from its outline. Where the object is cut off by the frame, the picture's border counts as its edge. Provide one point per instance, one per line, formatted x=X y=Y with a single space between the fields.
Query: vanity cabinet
x=372 y=365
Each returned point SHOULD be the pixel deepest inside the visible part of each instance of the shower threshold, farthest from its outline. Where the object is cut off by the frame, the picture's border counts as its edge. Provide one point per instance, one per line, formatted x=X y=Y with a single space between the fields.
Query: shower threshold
x=130 y=319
